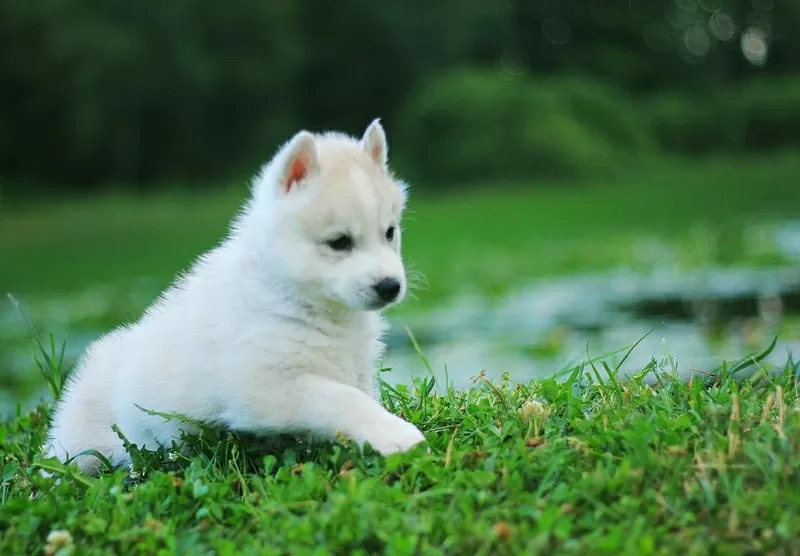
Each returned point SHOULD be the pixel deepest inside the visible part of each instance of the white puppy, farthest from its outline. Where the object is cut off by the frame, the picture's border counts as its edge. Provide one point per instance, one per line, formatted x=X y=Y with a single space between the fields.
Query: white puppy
x=276 y=330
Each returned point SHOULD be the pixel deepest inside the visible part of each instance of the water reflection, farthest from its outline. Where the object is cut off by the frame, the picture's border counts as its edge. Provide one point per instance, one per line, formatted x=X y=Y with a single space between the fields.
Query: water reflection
x=704 y=317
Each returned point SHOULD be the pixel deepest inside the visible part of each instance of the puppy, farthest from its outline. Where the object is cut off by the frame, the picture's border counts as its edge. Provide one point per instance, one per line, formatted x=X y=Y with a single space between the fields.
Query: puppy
x=276 y=330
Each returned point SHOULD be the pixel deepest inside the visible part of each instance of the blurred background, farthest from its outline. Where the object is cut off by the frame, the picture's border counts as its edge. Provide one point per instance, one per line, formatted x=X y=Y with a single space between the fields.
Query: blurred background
x=581 y=171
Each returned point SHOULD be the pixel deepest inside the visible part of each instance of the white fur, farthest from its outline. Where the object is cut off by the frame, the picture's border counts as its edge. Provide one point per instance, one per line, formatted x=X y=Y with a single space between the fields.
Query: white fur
x=273 y=331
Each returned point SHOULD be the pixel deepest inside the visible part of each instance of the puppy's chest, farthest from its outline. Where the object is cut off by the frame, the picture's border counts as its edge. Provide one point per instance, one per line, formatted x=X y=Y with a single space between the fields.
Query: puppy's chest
x=345 y=356
x=346 y=359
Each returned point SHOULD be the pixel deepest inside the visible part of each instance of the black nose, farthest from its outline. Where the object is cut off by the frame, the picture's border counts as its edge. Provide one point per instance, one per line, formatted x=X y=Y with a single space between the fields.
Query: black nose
x=387 y=289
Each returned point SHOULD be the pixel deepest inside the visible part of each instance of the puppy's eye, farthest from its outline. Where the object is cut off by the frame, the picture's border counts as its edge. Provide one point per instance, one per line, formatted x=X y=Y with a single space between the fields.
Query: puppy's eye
x=341 y=243
x=390 y=233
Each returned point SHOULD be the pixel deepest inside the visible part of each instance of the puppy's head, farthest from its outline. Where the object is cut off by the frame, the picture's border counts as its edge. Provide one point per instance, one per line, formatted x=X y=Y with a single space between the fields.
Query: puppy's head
x=338 y=212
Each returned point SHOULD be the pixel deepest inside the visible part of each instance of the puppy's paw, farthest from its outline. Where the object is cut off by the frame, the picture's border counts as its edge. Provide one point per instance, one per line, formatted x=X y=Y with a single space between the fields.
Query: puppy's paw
x=393 y=435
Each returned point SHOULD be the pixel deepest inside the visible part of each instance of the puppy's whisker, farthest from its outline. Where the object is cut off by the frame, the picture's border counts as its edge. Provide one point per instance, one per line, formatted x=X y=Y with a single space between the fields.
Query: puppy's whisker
x=416 y=280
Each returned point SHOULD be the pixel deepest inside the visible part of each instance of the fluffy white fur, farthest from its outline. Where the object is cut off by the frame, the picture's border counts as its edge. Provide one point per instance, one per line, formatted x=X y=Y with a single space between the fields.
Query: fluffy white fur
x=274 y=330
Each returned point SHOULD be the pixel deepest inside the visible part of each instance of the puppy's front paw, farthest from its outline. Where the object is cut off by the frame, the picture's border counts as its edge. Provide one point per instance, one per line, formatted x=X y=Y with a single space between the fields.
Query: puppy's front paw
x=394 y=435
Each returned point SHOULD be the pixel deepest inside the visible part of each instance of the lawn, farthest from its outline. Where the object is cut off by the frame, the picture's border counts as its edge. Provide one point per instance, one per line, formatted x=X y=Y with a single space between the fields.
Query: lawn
x=564 y=465
x=549 y=467
x=487 y=237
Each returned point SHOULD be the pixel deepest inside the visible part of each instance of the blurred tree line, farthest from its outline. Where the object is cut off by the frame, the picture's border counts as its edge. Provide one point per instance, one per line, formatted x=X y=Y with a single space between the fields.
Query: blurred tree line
x=141 y=93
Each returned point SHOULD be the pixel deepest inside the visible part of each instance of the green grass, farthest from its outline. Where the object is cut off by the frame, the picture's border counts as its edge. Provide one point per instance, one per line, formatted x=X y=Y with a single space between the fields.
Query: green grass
x=548 y=467
x=543 y=467
x=489 y=238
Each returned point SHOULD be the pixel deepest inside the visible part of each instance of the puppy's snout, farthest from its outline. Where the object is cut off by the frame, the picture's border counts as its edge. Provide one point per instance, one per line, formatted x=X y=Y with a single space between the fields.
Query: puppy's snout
x=387 y=289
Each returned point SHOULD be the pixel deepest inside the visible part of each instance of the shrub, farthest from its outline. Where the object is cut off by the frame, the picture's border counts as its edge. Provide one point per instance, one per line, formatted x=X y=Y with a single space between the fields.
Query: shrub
x=758 y=115
x=486 y=124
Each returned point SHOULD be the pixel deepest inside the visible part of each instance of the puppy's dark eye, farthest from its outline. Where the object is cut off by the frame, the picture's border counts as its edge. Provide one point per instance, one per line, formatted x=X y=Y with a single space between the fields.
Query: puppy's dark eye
x=390 y=233
x=341 y=243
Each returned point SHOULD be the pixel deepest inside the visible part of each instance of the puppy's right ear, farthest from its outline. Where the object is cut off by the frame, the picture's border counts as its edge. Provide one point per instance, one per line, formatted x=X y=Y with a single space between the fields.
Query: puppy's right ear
x=299 y=161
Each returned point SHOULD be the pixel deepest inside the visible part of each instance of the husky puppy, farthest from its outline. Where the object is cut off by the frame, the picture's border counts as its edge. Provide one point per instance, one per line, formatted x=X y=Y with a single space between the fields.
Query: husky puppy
x=276 y=330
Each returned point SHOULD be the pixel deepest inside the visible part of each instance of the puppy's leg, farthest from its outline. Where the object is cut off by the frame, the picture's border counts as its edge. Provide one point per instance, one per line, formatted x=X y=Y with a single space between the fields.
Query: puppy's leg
x=369 y=384
x=323 y=407
x=67 y=444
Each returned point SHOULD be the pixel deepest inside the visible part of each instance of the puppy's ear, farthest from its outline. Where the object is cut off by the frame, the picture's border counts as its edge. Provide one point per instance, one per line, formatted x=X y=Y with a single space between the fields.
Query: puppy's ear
x=374 y=142
x=299 y=161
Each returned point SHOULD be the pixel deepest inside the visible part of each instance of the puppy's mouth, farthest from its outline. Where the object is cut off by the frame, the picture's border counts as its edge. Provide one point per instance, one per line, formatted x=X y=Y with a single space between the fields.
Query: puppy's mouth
x=377 y=304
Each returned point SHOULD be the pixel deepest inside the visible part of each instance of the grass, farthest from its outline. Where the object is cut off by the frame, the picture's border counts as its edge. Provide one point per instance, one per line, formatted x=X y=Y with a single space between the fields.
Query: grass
x=550 y=466
x=555 y=466
x=490 y=238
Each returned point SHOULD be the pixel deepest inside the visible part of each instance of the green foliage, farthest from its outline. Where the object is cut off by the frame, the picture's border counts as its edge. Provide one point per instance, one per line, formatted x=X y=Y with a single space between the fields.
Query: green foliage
x=150 y=92
x=138 y=92
x=50 y=363
x=757 y=115
x=569 y=465
x=499 y=125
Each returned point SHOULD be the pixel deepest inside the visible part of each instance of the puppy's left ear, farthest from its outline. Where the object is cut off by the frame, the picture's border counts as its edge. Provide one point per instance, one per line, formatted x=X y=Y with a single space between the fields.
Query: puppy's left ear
x=374 y=142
